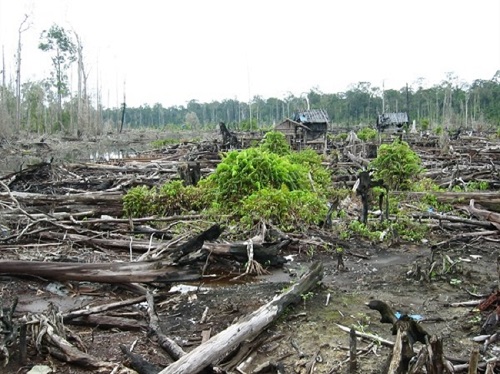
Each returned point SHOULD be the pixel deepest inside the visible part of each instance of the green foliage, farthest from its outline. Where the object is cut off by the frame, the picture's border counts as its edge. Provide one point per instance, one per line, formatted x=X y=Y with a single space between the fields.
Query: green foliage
x=160 y=143
x=397 y=165
x=275 y=142
x=478 y=186
x=359 y=228
x=57 y=41
x=312 y=161
x=139 y=201
x=287 y=209
x=367 y=134
x=425 y=124
x=408 y=229
x=171 y=198
x=338 y=138
x=247 y=125
x=425 y=185
x=242 y=173
x=175 y=198
x=439 y=130
x=270 y=182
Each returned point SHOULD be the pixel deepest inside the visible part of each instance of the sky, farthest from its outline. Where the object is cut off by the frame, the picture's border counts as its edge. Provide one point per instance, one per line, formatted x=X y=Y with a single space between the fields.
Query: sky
x=173 y=51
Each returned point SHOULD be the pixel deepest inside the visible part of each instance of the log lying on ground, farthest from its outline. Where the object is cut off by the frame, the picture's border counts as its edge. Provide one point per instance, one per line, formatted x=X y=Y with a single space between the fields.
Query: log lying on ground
x=263 y=253
x=492 y=217
x=119 y=272
x=100 y=202
x=490 y=200
x=246 y=328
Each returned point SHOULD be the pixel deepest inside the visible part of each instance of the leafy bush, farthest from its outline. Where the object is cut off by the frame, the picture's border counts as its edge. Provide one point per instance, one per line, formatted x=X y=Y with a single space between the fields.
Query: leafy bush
x=367 y=134
x=171 y=198
x=268 y=182
x=140 y=201
x=275 y=142
x=286 y=209
x=397 y=165
x=160 y=143
x=241 y=173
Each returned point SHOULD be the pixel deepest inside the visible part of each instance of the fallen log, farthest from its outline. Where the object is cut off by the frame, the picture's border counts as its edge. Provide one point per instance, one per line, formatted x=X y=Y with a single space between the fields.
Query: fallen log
x=87 y=311
x=266 y=254
x=118 y=272
x=486 y=215
x=101 y=202
x=246 y=328
x=490 y=200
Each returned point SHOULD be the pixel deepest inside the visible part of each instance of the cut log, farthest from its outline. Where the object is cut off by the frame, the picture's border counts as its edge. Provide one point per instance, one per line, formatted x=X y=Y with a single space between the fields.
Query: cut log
x=119 y=272
x=109 y=322
x=486 y=215
x=266 y=254
x=247 y=328
x=490 y=200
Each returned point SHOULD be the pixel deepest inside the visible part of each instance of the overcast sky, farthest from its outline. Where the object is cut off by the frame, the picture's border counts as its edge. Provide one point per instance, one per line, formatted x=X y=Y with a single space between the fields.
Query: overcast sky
x=172 y=51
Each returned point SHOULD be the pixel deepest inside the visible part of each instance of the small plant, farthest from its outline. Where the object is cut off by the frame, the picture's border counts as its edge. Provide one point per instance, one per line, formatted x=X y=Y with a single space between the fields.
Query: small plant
x=275 y=142
x=139 y=201
x=424 y=124
x=362 y=230
x=367 y=134
x=160 y=143
x=306 y=296
x=397 y=165
x=478 y=186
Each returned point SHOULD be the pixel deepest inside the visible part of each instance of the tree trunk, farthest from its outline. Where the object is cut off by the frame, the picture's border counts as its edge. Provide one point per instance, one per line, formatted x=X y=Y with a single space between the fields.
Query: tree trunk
x=245 y=329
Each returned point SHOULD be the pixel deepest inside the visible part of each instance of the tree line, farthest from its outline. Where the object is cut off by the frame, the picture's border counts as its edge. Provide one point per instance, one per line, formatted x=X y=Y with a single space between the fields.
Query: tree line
x=50 y=105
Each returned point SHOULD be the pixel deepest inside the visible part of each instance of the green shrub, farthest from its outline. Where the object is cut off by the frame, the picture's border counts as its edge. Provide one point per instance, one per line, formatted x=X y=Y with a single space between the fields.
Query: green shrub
x=367 y=134
x=284 y=208
x=140 y=201
x=241 y=173
x=397 y=165
x=275 y=142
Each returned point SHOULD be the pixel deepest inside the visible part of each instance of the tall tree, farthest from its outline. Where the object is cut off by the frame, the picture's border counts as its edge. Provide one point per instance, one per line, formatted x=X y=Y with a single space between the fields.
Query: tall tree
x=58 y=42
x=82 y=99
x=24 y=26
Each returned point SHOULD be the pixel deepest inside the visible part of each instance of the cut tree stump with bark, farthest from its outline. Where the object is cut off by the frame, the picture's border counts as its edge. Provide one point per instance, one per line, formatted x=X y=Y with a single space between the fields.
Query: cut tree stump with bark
x=246 y=328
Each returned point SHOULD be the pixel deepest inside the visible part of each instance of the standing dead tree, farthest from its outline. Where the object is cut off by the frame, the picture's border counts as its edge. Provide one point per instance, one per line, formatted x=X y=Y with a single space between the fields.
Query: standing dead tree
x=22 y=28
x=229 y=140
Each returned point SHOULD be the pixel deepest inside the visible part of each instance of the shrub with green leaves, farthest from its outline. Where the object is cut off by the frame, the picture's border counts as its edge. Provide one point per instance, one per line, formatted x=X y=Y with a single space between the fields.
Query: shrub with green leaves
x=140 y=201
x=275 y=142
x=286 y=209
x=397 y=165
x=241 y=173
x=367 y=134
x=170 y=198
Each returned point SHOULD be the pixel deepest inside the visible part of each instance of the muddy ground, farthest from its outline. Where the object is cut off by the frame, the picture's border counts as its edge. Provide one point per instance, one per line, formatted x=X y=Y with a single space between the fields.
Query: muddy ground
x=372 y=271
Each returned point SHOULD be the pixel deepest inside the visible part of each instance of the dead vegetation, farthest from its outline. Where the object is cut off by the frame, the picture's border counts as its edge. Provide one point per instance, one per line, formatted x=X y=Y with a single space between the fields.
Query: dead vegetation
x=64 y=238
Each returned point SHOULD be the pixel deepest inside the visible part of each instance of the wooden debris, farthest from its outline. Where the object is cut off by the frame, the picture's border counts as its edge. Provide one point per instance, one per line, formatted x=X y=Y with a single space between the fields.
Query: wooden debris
x=246 y=328
x=49 y=334
x=118 y=272
x=8 y=331
x=169 y=345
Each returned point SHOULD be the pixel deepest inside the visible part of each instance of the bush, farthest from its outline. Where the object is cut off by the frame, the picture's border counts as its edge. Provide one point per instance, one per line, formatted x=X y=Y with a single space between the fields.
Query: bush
x=242 y=173
x=367 y=134
x=397 y=165
x=275 y=142
x=284 y=208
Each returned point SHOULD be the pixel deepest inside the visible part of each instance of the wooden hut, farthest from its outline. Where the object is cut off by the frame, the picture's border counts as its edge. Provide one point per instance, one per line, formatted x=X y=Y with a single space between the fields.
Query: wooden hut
x=306 y=129
x=393 y=122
